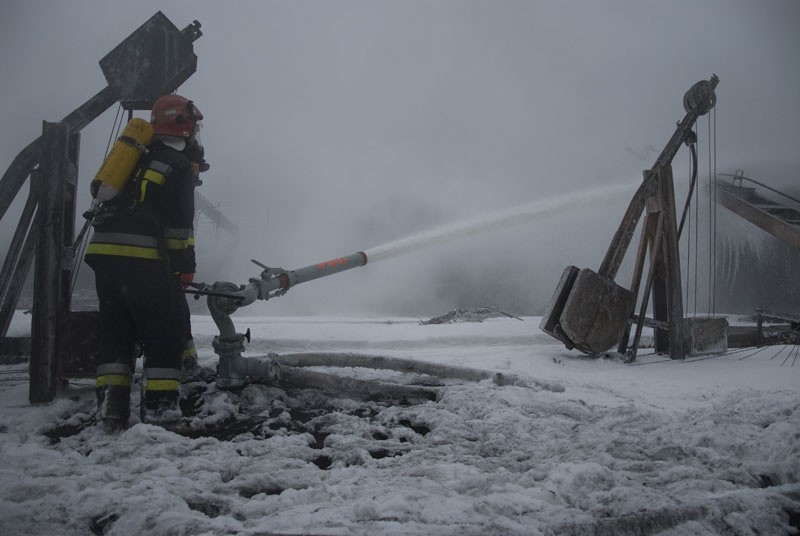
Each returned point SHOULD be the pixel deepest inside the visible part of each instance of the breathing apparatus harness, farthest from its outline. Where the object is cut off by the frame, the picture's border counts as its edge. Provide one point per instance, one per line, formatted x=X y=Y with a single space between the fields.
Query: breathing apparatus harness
x=125 y=202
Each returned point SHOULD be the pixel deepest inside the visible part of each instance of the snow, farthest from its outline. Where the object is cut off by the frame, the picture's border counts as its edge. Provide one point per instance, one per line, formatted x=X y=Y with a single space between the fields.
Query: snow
x=590 y=446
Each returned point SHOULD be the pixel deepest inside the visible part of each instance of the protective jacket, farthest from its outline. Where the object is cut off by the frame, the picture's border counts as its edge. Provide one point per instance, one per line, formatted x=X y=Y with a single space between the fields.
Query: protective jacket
x=154 y=218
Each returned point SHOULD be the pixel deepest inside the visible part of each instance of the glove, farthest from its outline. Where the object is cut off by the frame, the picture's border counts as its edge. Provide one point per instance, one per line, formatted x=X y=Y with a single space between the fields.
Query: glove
x=185 y=279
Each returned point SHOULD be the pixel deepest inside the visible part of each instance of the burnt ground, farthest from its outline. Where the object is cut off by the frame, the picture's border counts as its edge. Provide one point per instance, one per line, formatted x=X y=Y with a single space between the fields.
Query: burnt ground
x=260 y=411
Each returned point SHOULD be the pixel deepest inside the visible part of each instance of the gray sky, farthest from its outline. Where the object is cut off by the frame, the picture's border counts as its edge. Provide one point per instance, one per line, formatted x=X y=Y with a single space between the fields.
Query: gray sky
x=333 y=127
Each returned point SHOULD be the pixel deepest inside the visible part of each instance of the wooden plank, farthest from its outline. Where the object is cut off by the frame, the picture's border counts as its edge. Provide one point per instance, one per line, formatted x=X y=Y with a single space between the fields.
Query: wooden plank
x=624 y=234
x=648 y=235
x=648 y=285
x=19 y=257
x=551 y=320
x=29 y=157
x=770 y=223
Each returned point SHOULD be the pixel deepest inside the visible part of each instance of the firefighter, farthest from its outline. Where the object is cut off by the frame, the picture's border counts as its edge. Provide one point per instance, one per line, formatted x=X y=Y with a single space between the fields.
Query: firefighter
x=190 y=368
x=142 y=251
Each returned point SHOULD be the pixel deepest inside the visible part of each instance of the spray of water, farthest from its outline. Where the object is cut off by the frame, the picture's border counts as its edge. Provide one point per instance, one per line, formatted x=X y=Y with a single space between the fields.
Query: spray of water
x=739 y=238
x=500 y=220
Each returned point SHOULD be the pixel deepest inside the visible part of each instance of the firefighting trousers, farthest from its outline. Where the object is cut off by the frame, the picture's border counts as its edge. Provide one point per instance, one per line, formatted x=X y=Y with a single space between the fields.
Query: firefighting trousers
x=140 y=303
x=189 y=350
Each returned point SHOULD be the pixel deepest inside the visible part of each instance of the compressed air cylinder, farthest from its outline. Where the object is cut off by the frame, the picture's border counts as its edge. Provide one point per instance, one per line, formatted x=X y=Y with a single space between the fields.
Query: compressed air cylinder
x=121 y=160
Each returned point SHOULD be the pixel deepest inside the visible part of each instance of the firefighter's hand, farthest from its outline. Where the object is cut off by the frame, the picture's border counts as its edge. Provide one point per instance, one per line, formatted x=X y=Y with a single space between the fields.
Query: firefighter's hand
x=200 y=167
x=185 y=279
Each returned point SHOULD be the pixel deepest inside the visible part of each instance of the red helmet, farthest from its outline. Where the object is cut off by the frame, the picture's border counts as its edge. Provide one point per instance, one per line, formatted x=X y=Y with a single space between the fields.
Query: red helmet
x=174 y=115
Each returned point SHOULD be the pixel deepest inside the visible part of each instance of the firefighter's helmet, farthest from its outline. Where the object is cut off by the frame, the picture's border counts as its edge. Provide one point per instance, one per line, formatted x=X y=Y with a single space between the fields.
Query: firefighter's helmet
x=174 y=115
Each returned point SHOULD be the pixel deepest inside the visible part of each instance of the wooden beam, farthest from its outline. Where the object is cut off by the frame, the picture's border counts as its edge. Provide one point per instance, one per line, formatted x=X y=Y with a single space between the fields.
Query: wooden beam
x=48 y=277
x=672 y=265
x=19 y=257
x=759 y=216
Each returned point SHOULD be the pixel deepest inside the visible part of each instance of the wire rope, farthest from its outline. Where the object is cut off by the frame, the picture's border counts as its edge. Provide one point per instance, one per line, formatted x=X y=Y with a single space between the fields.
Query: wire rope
x=688 y=213
x=114 y=129
x=792 y=352
x=754 y=353
x=713 y=149
x=81 y=242
x=779 y=352
x=710 y=221
x=692 y=360
x=696 y=248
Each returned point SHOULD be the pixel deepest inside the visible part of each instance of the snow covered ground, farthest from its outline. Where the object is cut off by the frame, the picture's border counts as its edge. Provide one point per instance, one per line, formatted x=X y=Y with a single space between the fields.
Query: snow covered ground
x=706 y=446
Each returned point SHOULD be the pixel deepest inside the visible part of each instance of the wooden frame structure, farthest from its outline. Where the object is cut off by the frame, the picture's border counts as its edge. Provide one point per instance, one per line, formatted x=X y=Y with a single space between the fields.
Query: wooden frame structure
x=589 y=310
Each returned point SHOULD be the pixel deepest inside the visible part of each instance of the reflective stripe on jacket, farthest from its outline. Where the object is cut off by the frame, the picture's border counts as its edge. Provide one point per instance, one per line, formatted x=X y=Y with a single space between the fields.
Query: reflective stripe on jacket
x=124 y=245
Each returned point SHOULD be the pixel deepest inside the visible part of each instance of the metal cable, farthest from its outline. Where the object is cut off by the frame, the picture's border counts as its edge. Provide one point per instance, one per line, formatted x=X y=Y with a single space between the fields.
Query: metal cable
x=688 y=243
x=683 y=361
x=754 y=353
x=713 y=119
x=710 y=230
x=696 y=249
x=742 y=178
x=79 y=247
x=114 y=129
x=687 y=213
x=711 y=221
x=792 y=351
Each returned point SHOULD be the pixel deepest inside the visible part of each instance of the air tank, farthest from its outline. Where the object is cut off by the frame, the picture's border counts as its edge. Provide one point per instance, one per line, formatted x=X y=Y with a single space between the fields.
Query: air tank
x=121 y=160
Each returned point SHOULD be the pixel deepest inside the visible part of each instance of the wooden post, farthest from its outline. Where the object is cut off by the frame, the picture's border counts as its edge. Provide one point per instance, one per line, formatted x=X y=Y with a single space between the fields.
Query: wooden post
x=646 y=243
x=759 y=325
x=660 y=236
x=672 y=266
x=68 y=207
x=658 y=262
x=48 y=278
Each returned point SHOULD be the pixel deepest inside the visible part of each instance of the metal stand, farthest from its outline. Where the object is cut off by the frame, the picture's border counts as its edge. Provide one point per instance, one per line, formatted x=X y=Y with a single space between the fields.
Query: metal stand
x=235 y=371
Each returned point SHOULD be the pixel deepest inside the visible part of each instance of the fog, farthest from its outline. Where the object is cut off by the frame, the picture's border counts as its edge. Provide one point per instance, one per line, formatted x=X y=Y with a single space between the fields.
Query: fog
x=333 y=127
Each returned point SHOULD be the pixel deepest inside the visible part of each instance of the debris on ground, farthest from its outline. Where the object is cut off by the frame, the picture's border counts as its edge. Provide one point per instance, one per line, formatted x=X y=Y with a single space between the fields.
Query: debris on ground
x=472 y=314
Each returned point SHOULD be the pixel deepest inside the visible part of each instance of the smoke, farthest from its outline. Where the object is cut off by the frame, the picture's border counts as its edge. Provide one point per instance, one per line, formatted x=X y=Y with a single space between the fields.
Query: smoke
x=338 y=127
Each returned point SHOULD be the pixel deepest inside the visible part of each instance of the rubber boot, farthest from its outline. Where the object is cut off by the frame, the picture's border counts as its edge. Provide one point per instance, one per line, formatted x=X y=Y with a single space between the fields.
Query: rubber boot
x=161 y=408
x=114 y=406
